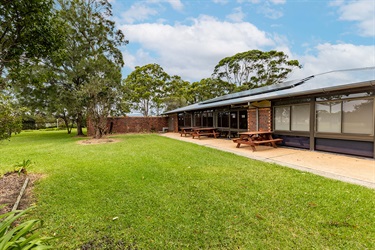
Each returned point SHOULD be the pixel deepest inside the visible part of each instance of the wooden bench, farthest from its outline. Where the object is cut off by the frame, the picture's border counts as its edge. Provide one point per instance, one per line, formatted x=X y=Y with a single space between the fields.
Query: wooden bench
x=183 y=132
x=268 y=141
x=254 y=142
x=215 y=134
x=186 y=131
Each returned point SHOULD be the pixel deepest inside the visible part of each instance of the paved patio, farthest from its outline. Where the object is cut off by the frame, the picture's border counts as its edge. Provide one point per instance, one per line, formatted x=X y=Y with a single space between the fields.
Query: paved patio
x=360 y=171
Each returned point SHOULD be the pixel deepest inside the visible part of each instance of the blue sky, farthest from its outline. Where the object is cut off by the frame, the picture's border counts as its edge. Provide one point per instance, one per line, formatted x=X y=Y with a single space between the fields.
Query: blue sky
x=188 y=38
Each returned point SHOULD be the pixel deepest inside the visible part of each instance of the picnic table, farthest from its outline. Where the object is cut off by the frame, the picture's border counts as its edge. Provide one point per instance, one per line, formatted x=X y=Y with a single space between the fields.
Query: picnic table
x=254 y=138
x=198 y=132
x=186 y=131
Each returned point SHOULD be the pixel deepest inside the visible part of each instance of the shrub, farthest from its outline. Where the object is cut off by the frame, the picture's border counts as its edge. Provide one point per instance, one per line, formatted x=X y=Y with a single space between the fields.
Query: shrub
x=23 y=235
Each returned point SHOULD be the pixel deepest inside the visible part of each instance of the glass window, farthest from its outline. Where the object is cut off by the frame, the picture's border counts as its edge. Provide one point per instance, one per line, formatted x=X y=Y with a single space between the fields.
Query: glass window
x=204 y=118
x=197 y=119
x=181 y=120
x=301 y=117
x=225 y=120
x=233 y=119
x=187 y=119
x=328 y=117
x=282 y=118
x=243 y=119
x=219 y=119
x=208 y=119
x=358 y=116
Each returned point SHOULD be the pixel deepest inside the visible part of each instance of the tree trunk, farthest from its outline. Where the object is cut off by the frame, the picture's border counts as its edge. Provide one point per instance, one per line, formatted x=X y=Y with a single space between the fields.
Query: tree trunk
x=66 y=121
x=79 y=125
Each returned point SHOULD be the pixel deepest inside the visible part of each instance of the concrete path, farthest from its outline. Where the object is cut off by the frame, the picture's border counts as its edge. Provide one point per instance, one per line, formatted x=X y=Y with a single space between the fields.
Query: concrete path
x=360 y=171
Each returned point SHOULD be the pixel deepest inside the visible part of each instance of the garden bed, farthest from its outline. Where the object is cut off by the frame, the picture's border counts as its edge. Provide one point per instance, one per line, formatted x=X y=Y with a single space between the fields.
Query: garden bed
x=10 y=187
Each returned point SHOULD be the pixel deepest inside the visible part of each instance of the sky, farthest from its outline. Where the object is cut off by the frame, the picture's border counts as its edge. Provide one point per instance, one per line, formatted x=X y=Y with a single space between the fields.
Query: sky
x=189 y=37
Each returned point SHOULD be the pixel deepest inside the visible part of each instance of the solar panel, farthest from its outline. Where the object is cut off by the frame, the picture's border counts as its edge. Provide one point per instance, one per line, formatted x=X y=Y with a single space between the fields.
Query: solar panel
x=261 y=90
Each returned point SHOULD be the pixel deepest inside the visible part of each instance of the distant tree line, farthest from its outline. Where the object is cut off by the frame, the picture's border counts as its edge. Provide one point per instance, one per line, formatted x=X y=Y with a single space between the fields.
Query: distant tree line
x=62 y=59
x=149 y=89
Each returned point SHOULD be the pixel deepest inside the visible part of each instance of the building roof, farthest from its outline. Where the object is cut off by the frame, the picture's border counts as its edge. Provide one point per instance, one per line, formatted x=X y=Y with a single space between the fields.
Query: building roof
x=315 y=84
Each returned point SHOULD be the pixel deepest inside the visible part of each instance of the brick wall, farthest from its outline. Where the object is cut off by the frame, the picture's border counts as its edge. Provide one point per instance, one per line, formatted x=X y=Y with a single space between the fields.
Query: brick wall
x=174 y=121
x=264 y=119
x=251 y=120
x=132 y=124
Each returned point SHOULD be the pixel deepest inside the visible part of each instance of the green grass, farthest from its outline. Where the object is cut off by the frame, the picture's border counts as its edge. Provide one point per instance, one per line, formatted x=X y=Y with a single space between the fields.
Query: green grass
x=152 y=192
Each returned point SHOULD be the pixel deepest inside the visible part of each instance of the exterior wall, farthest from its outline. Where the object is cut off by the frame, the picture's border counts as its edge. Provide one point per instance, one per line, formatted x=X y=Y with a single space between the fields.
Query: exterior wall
x=264 y=119
x=251 y=119
x=132 y=124
x=173 y=122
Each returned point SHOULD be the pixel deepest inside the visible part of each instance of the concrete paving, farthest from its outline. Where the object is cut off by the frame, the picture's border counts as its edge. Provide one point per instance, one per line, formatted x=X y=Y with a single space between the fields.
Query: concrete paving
x=356 y=170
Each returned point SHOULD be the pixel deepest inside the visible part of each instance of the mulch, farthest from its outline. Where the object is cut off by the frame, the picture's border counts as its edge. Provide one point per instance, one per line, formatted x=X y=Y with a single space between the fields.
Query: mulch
x=10 y=187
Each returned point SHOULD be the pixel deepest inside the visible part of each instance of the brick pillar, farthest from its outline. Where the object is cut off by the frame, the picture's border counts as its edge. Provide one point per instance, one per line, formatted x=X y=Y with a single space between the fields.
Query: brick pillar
x=251 y=120
x=265 y=117
x=174 y=122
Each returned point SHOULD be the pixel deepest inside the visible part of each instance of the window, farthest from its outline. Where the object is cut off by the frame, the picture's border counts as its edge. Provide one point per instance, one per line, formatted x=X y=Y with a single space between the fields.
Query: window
x=233 y=119
x=282 y=118
x=208 y=119
x=225 y=120
x=357 y=116
x=187 y=119
x=243 y=119
x=292 y=118
x=184 y=119
x=328 y=117
x=181 y=120
x=301 y=117
x=348 y=116
x=197 y=119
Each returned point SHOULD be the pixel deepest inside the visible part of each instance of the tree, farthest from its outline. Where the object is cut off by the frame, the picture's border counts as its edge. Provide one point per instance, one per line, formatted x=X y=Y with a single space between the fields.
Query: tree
x=255 y=68
x=28 y=30
x=144 y=89
x=10 y=118
x=63 y=80
x=208 y=88
x=102 y=93
x=176 y=93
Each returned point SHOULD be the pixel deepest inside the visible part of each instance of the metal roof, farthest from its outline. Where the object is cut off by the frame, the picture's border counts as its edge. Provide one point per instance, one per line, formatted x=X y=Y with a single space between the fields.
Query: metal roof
x=320 y=83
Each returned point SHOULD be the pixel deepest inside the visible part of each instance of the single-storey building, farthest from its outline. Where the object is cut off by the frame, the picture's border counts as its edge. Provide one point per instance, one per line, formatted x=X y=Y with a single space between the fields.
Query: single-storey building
x=332 y=111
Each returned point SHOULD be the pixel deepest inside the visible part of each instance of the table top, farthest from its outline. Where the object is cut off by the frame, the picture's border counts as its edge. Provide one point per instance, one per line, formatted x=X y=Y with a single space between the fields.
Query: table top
x=204 y=129
x=255 y=132
x=186 y=127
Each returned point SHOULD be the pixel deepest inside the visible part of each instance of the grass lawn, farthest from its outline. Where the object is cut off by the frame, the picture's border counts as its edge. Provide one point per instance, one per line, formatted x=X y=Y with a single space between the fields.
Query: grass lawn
x=152 y=192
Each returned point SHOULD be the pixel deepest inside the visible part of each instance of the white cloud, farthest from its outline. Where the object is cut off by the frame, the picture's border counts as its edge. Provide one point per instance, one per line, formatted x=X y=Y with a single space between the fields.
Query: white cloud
x=270 y=12
x=362 y=12
x=220 y=1
x=278 y=1
x=138 y=12
x=193 y=51
x=335 y=57
x=176 y=4
x=237 y=15
x=249 y=1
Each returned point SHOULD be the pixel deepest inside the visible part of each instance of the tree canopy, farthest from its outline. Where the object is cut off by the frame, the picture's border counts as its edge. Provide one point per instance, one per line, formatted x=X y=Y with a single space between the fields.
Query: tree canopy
x=144 y=89
x=208 y=88
x=255 y=68
x=28 y=31
x=85 y=71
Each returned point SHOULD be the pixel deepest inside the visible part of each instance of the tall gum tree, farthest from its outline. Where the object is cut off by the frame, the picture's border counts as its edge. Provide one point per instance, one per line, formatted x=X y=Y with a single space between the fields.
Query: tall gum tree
x=255 y=68
x=90 y=38
x=144 y=89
